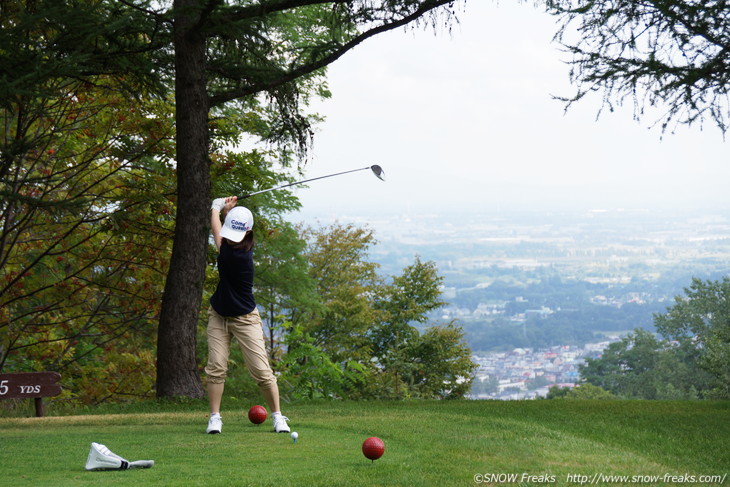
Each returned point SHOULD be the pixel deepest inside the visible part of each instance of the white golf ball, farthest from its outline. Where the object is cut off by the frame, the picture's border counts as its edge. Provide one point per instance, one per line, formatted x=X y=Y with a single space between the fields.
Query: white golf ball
x=294 y=435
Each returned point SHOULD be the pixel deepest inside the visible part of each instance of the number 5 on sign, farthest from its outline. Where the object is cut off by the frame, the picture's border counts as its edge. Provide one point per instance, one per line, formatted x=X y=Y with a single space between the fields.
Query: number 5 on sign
x=3 y=387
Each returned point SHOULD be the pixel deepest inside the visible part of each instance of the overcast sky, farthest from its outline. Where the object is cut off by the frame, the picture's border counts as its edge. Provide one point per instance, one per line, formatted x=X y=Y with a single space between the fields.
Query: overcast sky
x=465 y=122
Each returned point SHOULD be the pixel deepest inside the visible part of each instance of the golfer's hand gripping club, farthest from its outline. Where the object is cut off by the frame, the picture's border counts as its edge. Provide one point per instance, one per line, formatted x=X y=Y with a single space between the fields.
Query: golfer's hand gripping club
x=221 y=204
x=218 y=204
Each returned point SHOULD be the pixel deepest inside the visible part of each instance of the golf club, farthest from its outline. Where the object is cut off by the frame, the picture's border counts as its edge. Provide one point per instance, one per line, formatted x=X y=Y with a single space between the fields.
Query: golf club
x=377 y=170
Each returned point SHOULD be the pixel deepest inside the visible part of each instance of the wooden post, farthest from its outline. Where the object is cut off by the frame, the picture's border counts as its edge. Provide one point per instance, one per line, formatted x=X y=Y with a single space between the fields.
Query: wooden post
x=38 y=407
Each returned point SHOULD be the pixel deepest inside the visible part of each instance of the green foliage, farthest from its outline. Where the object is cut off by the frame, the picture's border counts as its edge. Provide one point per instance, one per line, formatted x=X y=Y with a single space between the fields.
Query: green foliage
x=284 y=288
x=557 y=392
x=49 y=43
x=640 y=366
x=406 y=301
x=582 y=391
x=700 y=322
x=588 y=391
x=346 y=283
x=441 y=363
x=84 y=236
x=403 y=303
x=309 y=373
x=694 y=364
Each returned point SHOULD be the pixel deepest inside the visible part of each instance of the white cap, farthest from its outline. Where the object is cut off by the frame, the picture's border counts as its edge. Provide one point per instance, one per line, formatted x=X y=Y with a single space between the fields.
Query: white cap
x=238 y=221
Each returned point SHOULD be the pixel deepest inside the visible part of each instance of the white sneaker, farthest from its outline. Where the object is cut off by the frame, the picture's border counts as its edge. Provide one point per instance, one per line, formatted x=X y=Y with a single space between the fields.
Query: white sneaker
x=280 y=425
x=215 y=424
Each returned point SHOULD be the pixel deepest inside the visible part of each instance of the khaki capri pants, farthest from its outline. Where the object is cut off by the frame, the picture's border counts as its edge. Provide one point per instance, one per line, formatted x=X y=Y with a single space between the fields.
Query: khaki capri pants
x=249 y=333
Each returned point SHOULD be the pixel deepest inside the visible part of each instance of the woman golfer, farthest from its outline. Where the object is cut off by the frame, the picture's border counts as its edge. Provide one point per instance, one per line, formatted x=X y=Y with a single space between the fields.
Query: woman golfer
x=233 y=313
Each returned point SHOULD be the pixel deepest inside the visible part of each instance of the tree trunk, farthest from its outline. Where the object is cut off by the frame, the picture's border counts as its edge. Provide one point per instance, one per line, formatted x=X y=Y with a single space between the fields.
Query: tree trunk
x=177 y=368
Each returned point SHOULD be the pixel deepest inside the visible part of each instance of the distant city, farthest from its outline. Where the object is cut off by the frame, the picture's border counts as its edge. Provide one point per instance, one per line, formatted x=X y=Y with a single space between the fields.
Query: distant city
x=524 y=373
x=538 y=292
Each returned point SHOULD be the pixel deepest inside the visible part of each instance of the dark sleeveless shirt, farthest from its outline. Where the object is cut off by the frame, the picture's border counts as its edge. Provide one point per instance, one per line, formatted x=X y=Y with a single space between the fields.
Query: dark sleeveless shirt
x=234 y=294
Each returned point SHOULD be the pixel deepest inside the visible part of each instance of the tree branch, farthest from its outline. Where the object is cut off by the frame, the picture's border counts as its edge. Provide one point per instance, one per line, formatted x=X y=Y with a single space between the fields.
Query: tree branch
x=264 y=8
x=288 y=76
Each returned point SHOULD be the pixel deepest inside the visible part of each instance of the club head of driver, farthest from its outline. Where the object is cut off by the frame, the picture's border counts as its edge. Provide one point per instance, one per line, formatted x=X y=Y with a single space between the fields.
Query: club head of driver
x=378 y=171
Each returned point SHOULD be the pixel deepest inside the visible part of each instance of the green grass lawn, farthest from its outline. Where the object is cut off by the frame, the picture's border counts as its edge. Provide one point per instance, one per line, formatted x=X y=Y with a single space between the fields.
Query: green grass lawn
x=427 y=443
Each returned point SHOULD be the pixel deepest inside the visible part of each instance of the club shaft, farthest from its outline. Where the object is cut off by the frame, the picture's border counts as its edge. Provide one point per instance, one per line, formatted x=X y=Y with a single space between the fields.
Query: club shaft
x=302 y=182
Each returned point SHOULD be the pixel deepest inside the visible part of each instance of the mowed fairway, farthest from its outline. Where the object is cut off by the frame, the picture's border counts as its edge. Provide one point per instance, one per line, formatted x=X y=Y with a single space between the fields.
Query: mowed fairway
x=427 y=443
